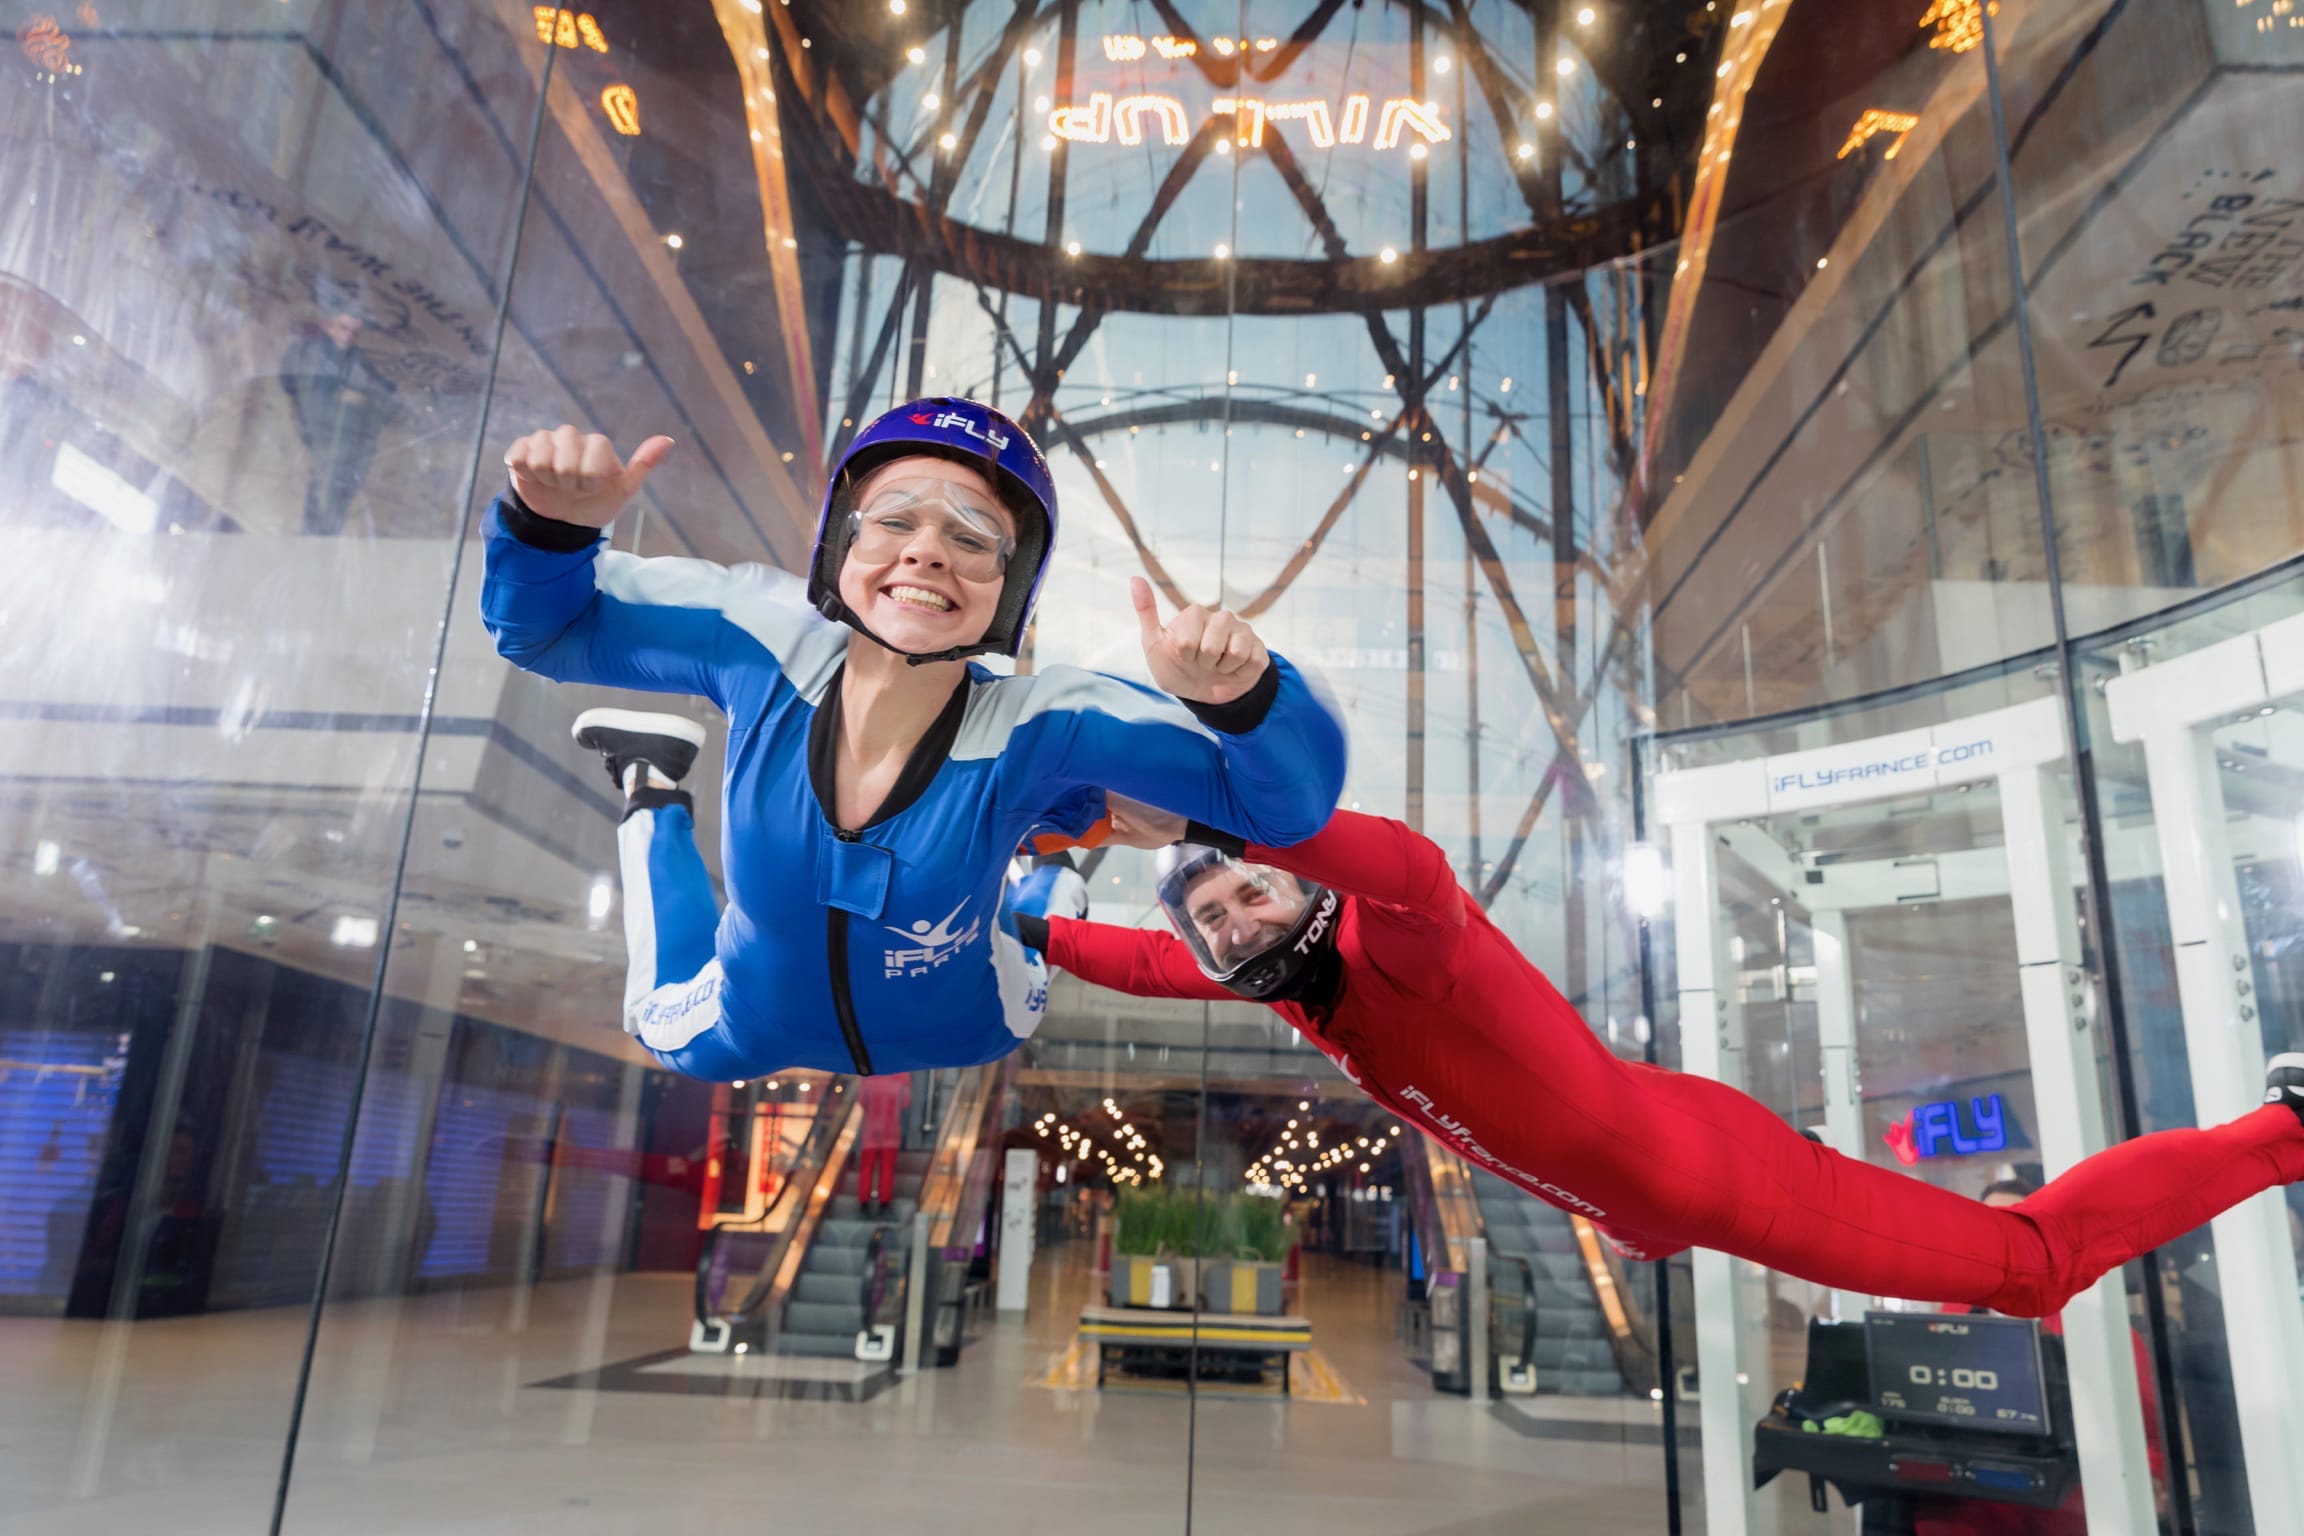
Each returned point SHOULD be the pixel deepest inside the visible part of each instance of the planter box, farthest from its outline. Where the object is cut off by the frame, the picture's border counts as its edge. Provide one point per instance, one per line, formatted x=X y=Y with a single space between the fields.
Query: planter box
x=1242 y=1288
x=1130 y=1284
x=1138 y=1282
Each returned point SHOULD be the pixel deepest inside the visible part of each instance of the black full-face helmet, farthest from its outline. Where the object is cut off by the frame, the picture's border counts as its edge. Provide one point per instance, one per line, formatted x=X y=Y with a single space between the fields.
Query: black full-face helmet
x=1255 y=930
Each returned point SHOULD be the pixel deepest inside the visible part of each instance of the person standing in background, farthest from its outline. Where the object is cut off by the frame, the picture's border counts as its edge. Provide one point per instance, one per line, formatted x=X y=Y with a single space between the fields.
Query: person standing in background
x=885 y=1098
x=342 y=405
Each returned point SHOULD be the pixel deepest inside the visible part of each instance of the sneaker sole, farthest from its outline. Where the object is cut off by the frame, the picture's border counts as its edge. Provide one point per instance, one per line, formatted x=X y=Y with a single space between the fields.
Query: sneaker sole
x=639 y=722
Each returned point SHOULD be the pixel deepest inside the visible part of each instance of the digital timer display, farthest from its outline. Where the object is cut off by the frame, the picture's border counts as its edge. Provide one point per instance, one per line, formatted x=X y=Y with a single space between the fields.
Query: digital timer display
x=1969 y=1370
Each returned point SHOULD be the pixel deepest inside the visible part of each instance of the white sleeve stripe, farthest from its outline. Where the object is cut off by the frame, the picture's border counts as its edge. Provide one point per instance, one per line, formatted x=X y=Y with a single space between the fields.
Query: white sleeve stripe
x=769 y=605
x=998 y=709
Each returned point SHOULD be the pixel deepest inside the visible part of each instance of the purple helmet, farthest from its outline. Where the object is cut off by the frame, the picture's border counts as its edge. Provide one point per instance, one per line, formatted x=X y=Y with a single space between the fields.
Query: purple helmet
x=945 y=426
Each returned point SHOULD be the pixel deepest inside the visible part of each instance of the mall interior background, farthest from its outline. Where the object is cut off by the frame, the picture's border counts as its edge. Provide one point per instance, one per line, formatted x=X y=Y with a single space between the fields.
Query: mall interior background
x=1595 y=394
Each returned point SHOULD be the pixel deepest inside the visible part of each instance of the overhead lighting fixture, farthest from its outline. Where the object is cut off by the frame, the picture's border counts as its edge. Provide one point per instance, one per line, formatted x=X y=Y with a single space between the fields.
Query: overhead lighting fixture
x=674 y=241
x=1223 y=251
x=602 y=898
x=1646 y=884
x=1440 y=64
x=1565 y=67
x=47 y=855
x=1031 y=58
x=948 y=140
x=1527 y=151
x=1543 y=111
x=931 y=101
x=916 y=55
x=1586 y=17
x=1071 y=247
x=351 y=932
x=1386 y=256
x=895 y=7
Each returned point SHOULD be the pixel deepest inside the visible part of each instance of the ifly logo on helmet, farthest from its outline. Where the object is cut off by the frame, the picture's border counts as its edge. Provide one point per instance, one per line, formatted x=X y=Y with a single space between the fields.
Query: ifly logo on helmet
x=947 y=420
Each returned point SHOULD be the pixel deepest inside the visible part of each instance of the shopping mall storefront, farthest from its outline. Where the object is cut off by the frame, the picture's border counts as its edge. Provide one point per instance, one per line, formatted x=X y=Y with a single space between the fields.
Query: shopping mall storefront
x=1802 y=502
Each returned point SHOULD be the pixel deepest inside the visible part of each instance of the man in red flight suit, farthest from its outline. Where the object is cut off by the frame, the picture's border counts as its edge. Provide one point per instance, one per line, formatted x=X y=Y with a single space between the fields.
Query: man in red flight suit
x=1362 y=939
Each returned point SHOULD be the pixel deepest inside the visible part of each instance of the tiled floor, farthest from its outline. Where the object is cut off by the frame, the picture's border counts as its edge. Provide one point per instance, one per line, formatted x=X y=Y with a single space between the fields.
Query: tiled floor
x=427 y=1416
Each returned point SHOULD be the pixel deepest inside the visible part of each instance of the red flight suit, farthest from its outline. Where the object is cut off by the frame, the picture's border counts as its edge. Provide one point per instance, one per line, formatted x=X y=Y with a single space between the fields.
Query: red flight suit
x=1448 y=1025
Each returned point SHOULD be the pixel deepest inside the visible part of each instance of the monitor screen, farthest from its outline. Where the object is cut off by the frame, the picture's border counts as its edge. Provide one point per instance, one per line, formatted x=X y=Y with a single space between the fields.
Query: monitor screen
x=1972 y=1370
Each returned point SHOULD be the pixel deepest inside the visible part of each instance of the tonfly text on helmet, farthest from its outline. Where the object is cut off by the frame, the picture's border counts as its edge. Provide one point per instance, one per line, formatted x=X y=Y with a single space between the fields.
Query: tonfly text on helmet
x=946 y=426
x=1257 y=931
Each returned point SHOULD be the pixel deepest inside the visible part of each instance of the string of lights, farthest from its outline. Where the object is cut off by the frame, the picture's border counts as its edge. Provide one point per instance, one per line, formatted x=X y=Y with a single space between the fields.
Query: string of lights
x=1298 y=1155
x=1129 y=1159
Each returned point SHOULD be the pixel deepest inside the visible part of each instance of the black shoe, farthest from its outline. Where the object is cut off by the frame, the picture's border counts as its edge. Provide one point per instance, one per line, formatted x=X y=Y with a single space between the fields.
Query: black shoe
x=666 y=743
x=2284 y=1082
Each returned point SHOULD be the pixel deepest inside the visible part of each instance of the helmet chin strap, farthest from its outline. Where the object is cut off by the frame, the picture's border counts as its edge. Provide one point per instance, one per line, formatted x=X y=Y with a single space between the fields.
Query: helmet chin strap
x=840 y=613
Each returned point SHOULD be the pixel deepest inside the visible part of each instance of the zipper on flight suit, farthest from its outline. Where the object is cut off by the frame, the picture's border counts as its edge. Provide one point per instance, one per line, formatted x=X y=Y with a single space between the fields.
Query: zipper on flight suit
x=912 y=782
x=836 y=956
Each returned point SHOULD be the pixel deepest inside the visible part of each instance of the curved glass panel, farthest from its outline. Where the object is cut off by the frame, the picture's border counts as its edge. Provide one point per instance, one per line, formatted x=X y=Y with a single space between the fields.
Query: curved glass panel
x=249 y=276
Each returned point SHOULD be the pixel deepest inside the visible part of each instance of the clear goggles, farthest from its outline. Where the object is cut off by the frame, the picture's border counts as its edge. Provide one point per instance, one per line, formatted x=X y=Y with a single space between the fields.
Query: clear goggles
x=976 y=547
x=1230 y=912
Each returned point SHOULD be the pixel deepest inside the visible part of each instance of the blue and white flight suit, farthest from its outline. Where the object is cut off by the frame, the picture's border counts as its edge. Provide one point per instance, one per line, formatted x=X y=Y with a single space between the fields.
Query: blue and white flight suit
x=886 y=948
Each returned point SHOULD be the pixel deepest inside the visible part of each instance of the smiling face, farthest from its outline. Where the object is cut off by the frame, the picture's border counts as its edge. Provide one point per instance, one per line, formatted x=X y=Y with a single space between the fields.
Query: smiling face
x=908 y=593
x=1238 y=917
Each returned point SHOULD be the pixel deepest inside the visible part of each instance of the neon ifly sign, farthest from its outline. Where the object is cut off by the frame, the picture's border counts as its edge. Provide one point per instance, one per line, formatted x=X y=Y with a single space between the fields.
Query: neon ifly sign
x=1950 y=1128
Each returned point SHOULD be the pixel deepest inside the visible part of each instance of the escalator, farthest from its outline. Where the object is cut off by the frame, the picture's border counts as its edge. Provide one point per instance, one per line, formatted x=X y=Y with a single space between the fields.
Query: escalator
x=1538 y=1303
x=812 y=1277
x=834 y=1294
x=1537 y=1274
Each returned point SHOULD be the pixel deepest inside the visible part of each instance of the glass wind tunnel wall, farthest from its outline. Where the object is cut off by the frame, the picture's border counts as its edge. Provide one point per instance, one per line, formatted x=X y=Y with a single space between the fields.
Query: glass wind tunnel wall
x=323 y=1153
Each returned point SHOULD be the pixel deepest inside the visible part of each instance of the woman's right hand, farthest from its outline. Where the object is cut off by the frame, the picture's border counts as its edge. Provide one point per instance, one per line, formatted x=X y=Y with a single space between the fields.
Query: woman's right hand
x=1137 y=825
x=574 y=477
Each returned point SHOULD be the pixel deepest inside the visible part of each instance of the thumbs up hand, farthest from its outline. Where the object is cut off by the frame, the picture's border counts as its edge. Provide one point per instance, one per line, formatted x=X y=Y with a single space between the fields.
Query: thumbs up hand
x=1207 y=655
x=572 y=477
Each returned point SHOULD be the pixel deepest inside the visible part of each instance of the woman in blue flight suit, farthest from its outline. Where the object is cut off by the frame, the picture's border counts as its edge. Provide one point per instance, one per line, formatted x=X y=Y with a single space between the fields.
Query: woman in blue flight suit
x=878 y=780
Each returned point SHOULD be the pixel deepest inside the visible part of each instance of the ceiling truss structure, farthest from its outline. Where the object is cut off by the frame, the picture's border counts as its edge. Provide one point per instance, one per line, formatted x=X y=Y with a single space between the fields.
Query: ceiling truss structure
x=881 y=201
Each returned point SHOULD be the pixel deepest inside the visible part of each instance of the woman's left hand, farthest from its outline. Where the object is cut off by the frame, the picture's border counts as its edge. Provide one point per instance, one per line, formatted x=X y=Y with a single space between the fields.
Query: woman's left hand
x=1208 y=655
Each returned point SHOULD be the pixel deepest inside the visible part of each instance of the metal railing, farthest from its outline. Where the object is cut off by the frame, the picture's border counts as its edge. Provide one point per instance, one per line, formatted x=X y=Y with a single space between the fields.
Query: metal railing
x=1632 y=1337
x=1503 y=1302
x=969 y=1160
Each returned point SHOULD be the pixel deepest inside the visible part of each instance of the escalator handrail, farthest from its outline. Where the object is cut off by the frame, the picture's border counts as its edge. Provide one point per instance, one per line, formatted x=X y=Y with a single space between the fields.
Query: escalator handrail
x=947 y=1170
x=1423 y=1205
x=1604 y=1267
x=873 y=1293
x=1528 y=1303
x=957 y=1228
